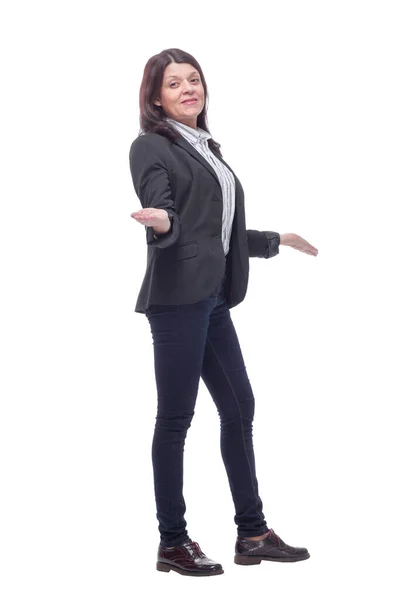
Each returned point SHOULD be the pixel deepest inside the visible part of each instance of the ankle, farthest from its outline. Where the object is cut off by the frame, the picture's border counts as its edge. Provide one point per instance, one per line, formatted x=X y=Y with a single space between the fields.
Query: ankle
x=257 y=538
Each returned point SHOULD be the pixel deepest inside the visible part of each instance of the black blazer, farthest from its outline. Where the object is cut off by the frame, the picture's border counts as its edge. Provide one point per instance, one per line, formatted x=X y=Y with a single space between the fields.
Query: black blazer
x=187 y=263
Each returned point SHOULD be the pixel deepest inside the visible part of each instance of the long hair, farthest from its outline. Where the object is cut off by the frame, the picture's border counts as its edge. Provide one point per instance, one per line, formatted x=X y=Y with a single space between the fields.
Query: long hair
x=153 y=118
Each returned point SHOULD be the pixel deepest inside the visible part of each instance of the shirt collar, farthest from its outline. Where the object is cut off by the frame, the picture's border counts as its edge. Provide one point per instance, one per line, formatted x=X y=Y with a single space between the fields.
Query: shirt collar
x=195 y=135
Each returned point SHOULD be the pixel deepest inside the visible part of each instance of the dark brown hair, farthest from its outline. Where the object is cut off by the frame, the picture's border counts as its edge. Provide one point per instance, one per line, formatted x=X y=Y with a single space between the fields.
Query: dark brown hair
x=152 y=117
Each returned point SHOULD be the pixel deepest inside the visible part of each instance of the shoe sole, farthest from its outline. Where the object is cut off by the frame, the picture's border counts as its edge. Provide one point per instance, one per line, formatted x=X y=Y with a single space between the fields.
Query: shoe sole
x=256 y=560
x=166 y=568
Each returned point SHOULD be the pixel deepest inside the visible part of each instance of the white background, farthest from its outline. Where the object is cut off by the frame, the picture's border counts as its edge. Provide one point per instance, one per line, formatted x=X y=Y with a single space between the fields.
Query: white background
x=304 y=98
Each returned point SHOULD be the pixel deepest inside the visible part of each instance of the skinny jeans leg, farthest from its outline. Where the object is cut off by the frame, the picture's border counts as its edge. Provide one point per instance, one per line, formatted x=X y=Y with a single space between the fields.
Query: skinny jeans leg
x=192 y=341
x=225 y=375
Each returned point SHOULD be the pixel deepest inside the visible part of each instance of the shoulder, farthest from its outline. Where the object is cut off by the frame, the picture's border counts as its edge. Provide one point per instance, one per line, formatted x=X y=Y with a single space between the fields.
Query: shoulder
x=151 y=141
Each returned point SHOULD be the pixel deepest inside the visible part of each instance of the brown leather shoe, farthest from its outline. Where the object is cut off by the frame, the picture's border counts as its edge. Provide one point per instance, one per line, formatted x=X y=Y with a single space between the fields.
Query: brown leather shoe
x=272 y=547
x=187 y=559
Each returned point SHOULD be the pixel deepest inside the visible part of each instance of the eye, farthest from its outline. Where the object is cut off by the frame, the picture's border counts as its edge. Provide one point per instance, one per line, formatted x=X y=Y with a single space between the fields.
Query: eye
x=193 y=79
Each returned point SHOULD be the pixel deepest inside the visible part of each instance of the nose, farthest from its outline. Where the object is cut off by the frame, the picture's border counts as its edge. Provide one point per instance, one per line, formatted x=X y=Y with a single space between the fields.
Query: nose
x=188 y=86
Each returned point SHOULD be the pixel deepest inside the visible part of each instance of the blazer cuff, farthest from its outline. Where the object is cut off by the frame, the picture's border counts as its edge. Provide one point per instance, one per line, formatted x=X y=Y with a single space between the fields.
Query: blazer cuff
x=273 y=242
x=263 y=244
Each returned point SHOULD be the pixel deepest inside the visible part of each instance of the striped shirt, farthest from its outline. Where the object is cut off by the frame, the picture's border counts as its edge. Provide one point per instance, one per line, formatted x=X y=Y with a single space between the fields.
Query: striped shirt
x=198 y=139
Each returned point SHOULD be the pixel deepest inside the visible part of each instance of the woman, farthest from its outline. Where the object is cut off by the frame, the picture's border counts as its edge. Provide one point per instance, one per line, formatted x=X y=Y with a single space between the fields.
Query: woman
x=198 y=253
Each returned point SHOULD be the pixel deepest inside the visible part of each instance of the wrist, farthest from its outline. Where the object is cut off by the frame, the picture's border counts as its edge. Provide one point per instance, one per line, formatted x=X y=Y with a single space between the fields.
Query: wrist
x=285 y=239
x=164 y=228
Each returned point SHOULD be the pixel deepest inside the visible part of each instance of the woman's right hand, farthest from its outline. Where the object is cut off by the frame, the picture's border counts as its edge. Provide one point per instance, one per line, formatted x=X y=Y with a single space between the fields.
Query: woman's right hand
x=152 y=217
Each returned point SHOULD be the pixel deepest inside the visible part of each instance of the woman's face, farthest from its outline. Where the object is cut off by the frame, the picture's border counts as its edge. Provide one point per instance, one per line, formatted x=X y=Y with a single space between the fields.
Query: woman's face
x=181 y=81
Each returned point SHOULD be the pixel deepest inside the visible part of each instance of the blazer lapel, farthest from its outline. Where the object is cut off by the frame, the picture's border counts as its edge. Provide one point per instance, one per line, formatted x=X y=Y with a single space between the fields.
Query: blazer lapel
x=183 y=143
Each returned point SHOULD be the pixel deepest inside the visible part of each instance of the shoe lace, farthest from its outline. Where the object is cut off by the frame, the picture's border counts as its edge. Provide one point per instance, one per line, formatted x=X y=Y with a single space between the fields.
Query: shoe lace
x=194 y=548
x=275 y=538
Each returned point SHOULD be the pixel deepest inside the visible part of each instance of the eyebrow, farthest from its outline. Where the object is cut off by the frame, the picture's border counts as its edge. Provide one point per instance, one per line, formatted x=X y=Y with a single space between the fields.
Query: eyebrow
x=176 y=76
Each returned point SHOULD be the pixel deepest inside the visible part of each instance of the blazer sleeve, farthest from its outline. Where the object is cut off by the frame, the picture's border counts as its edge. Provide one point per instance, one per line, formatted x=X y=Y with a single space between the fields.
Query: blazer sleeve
x=152 y=186
x=263 y=244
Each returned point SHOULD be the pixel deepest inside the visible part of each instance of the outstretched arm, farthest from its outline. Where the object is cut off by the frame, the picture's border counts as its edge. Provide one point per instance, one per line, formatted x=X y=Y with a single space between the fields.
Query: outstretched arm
x=265 y=244
x=151 y=183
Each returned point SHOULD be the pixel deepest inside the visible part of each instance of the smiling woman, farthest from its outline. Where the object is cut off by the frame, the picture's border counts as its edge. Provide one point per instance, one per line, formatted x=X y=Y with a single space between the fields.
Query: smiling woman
x=182 y=93
x=196 y=271
x=171 y=78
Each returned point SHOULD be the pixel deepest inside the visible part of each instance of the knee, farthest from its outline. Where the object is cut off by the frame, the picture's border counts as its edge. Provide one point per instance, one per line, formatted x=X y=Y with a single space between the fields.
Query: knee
x=236 y=423
x=177 y=423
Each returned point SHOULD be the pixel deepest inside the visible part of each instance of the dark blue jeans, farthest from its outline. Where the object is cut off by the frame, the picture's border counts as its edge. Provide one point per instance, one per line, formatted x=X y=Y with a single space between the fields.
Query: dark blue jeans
x=192 y=341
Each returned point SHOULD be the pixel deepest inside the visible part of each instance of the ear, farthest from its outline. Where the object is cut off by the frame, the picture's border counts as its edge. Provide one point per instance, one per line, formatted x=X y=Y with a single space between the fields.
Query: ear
x=157 y=102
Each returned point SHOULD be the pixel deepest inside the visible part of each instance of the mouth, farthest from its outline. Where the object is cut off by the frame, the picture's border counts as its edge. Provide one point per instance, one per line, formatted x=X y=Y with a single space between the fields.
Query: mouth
x=190 y=101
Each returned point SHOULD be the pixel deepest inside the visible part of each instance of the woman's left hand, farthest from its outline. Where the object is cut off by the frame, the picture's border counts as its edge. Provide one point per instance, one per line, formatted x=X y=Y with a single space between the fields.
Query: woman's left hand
x=298 y=243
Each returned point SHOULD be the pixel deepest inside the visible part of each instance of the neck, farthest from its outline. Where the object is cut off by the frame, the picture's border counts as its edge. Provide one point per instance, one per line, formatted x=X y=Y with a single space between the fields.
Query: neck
x=191 y=124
